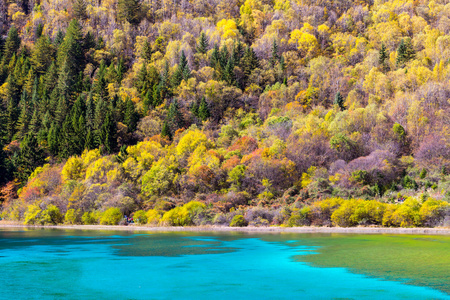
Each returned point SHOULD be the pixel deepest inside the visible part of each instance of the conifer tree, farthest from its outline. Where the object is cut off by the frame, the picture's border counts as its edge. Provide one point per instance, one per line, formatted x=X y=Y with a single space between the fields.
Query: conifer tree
x=24 y=117
x=202 y=44
x=12 y=45
x=53 y=139
x=203 y=110
x=165 y=132
x=59 y=38
x=339 y=101
x=108 y=134
x=130 y=11
x=79 y=9
x=382 y=57
x=405 y=52
x=275 y=57
x=31 y=156
x=131 y=116
x=174 y=115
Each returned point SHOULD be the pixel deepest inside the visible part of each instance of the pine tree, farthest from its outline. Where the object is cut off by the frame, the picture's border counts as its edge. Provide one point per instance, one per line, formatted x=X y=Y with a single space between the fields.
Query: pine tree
x=31 y=156
x=24 y=117
x=165 y=132
x=108 y=134
x=71 y=59
x=275 y=57
x=238 y=53
x=202 y=44
x=130 y=10
x=79 y=9
x=194 y=108
x=339 y=101
x=12 y=45
x=141 y=80
x=203 y=110
x=382 y=57
x=228 y=73
x=405 y=52
x=53 y=139
x=59 y=38
x=131 y=116
x=174 y=115
x=146 y=51
x=99 y=85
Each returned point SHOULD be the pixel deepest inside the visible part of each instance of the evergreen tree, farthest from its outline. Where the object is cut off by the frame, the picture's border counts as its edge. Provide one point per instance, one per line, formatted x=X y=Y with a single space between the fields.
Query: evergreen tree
x=53 y=139
x=275 y=57
x=182 y=72
x=382 y=57
x=71 y=60
x=228 y=73
x=108 y=134
x=79 y=9
x=38 y=31
x=146 y=51
x=130 y=10
x=194 y=108
x=174 y=116
x=238 y=53
x=31 y=156
x=99 y=86
x=165 y=132
x=339 y=101
x=215 y=56
x=12 y=45
x=405 y=52
x=59 y=38
x=202 y=44
x=24 y=117
x=131 y=116
x=203 y=110
x=141 y=80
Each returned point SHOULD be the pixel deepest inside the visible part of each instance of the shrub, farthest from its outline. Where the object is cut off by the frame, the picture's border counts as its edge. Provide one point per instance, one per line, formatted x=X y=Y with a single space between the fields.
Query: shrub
x=89 y=218
x=238 y=221
x=51 y=215
x=72 y=216
x=140 y=217
x=153 y=216
x=343 y=215
x=111 y=216
x=300 y=218
x=183 y=215
x=32 y=214
x=433 y=212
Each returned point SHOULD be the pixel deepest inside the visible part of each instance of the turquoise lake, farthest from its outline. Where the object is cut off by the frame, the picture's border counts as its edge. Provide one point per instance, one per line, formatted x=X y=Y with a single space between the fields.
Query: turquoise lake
x=76 y=264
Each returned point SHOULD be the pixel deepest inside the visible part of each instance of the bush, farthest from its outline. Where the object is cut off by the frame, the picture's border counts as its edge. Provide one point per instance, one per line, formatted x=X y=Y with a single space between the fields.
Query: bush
x=51 y=216
x=433 y=212
x=140 y=217
x=32 y=214
x=153 y=217
x=89 y=218
x=111 y=216
x=238 y=221
x=300 y=218
x=183 y=215
x=72 y=216
x=343 y=215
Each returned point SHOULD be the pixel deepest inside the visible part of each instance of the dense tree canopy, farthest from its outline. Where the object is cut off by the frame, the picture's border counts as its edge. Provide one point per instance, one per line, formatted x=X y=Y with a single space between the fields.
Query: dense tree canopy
x=147 y=105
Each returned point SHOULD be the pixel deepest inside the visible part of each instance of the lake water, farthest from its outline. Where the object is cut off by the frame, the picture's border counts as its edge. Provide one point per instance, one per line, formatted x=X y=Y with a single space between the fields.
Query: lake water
x=76 y=264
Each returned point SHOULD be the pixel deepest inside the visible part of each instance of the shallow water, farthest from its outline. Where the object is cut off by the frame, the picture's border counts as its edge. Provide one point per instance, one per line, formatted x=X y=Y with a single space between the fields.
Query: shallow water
x=75 y=264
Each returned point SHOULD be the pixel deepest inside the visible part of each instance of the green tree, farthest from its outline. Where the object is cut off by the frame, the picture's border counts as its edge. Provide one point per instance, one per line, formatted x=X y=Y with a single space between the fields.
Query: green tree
x=275 y=57
x=382 y=58
x=174 y=116
x=203 y=110
x=339 y=101
x=12 y=45
x=79 y=9
x=202 y=44
x=31 y=156
x=130 y=11
x=405 y=52
x=165 y=132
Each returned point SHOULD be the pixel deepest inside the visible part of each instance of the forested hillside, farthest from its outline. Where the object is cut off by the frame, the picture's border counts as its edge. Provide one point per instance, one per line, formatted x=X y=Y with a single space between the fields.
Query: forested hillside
x=260 y=108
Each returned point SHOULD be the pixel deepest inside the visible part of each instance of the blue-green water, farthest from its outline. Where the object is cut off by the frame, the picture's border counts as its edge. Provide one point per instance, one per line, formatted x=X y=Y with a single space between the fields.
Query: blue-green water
x=59 y=264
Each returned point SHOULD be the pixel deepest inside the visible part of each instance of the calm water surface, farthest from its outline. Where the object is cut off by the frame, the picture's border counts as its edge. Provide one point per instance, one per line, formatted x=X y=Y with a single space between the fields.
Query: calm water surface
x=71 y=264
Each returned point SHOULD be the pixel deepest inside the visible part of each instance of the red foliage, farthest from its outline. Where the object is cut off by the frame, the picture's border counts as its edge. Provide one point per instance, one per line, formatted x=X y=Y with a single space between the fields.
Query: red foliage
x=245 y=145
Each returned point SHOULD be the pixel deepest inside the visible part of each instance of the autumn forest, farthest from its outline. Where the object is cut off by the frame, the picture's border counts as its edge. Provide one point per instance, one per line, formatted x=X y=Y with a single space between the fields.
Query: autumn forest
x=225 y=112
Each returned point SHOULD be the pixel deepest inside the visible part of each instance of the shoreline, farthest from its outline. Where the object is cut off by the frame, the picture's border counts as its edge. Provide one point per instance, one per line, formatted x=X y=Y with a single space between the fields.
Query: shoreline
x=306 y=229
